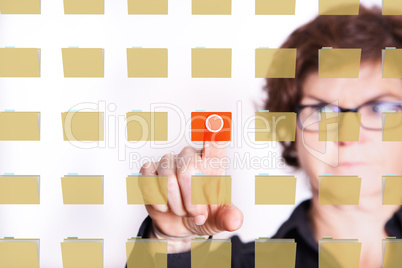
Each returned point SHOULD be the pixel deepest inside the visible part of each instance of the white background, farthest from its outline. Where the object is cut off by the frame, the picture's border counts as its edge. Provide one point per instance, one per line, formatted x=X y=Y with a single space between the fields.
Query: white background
x=52 y=94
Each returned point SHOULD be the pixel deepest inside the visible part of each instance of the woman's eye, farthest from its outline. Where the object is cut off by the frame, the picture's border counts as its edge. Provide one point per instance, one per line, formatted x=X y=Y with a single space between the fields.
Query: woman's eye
x=323 y=107
x=398 y=108
x=375 y=108
x=384 y=107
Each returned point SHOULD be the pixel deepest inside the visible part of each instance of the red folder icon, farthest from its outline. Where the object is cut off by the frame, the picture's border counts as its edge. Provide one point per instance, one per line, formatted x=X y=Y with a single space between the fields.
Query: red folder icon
x=211 y=126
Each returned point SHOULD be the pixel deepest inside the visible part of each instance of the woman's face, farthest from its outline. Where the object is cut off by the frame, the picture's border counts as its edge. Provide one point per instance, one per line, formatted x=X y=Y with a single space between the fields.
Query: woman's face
x=370 y=158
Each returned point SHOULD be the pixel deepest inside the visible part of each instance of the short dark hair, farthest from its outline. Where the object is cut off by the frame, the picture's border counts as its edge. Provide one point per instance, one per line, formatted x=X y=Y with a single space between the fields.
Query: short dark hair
x=370 y=31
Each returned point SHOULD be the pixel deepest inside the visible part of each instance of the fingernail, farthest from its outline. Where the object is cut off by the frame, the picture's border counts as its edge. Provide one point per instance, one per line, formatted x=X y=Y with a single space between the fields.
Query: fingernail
x=199 y=220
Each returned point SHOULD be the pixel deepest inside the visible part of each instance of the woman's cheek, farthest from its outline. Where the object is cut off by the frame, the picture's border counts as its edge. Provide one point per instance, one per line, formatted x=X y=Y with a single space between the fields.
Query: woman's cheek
x=315 y=157
x=308 y=163
x=390 y=157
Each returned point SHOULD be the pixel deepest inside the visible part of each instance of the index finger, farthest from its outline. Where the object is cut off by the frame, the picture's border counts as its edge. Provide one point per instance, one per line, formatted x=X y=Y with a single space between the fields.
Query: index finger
x=214 y=157
x=214 y=149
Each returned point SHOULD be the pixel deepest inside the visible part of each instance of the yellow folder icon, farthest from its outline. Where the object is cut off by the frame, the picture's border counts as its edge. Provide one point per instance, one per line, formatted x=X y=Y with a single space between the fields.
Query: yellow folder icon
x=19 y=189
x=275 y=190
x=391 y=190
x=211 y=190
x=339 y=7
x=20 y=62
x=82 y=126
x=84 y=7
x=392 y=252
x=275 y=253
x=211 y=253
x=146 y=252
x=20 y=6
x=339 y=253
x=146 y=190
x=147 y=126
x=275 y=63
x=211 y=62
x=82 y=253
x=19 y=126
x=391 y=126
x=147 y=62
x=339 y=190
x=147 y=7
x=339 y=62
x=391 y=62
x=83 y=62
x=273 y=7
x=339 y=126
x=15 y=253
x=85 y=190
x=211 y=7
x=275 y=126
x=391 y=7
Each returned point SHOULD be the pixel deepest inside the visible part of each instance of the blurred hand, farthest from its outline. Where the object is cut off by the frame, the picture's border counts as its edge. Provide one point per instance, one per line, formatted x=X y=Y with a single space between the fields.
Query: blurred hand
x=179 y=221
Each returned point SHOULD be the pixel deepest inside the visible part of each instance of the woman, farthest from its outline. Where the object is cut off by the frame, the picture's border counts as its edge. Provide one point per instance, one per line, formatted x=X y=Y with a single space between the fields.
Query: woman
x=369 y=158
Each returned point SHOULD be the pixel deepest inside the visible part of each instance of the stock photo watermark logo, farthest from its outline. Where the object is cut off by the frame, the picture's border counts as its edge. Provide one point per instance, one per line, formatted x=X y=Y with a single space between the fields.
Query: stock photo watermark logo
x=133 y=135
x=271 y=160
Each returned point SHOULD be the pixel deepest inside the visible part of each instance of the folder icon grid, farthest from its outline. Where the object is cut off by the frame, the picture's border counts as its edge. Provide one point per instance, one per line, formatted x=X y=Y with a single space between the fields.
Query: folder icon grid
x=148 y=7
x=82 y=190
x=211 y=7
x=339 y=253
x=146 y=252
x=275 y=63
x=147 y=62
x=391 y=252
x=391 y=190
x=339 y=126
x=82 y=253
x=146 y=190
x=338 y=7
x=275 y=190
x=213 y=253
x=392 y=126
x=20 y=62
x=211 y=190
x=20 y=6
x=19 y=189
x=271 y=126
x=275 y=253
x=19 y=126
x=273 y=7
x=339 y=190
x=211 y=62
x=19 y=252
x=84 y=6
x=83 y=62
x=147 y=126
x=391 y=62
x=339 y=62
x=82 y=126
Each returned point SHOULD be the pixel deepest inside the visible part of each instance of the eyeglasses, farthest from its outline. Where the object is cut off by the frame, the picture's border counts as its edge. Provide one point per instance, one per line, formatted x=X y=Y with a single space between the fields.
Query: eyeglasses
x=308 y=116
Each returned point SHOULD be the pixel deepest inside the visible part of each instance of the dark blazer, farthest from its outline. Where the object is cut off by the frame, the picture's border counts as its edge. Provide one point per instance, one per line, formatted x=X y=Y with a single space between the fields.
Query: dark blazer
x=297 y=226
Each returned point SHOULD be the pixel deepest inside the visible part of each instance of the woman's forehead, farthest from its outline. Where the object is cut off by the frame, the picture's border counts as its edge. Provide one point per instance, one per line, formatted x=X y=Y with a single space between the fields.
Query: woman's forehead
x=353 y=91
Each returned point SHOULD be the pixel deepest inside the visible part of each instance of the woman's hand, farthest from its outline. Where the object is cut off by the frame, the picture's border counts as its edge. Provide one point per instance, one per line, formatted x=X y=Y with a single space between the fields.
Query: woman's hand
x=179 y=221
